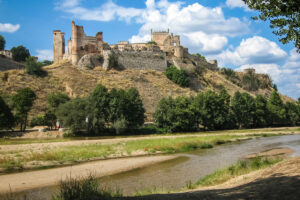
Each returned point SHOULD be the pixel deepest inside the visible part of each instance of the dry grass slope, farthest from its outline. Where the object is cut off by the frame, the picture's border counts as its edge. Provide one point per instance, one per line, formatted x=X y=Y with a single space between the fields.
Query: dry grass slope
x=152 y=85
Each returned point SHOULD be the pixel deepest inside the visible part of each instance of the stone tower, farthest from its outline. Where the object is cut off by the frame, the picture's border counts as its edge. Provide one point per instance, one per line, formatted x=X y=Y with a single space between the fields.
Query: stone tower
x=58 y=45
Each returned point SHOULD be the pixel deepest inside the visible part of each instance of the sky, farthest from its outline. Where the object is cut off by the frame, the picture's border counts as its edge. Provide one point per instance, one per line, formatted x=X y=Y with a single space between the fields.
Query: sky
x=218 y=29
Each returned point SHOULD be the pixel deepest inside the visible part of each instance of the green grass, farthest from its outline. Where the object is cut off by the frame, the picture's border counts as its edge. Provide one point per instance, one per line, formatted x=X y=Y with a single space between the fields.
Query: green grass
x=220 y=176
x=84 y=189
x=175 y=145
x=240 y=168
x=11 y=161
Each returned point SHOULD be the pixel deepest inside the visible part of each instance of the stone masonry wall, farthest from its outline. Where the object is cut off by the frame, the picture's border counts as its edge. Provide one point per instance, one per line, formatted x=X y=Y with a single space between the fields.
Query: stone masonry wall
x=8 y=64
x=142 y=60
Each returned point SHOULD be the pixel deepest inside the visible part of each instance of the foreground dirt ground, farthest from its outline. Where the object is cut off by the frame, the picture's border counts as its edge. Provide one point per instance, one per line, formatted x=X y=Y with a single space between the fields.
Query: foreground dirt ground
x=281 y=181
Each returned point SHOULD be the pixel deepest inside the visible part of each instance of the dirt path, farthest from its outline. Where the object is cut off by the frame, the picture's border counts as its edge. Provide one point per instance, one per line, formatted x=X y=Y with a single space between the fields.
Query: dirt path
x=281 y=181
x=38 y=146
x=37 y=179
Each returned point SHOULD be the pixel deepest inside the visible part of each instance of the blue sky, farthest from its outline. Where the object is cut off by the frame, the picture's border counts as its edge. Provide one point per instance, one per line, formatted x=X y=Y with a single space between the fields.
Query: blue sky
x=218 y=29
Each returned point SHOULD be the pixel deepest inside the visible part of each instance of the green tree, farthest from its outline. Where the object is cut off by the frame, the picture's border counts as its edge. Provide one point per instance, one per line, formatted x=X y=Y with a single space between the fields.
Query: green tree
x=73 y=113
x=20 y=53
x=276 y=109
x=261 y=113
x=292 y=113
x=33 y=67
x=99 y=106
x=135 y=114
x=243 y=106
x=2 y=43
x=284 y=17
x=126 y=108
x=54 y=99
x=175 y=114
x=178 y=76
x=215 y=109
x=22 y=103
x=38 y=121
x=6 y=117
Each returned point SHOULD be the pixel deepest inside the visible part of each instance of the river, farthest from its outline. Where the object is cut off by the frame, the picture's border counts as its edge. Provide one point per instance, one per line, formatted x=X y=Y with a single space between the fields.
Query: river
x=174 y=174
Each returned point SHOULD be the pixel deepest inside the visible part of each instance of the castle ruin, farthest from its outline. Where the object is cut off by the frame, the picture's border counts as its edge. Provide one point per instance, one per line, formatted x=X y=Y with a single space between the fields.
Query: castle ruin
x=82 y=50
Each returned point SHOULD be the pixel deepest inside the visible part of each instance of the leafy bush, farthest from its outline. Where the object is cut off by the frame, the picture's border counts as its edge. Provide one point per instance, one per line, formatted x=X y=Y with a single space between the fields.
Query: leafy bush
x=20 y=53
x=33 y=67
x=152 y=43
x=38 y=121
x=73 y=114
x=46 y=62
x=200 y=56
x=178 y=76
x=113 y=61
x=83 y=189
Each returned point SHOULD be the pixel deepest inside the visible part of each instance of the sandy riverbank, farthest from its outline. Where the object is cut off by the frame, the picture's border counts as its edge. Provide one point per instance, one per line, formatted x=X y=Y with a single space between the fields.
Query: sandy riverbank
x=42 y=178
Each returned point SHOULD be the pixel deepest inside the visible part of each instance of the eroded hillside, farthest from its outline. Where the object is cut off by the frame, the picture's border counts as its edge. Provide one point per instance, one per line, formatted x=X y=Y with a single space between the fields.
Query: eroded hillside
x=152 y=85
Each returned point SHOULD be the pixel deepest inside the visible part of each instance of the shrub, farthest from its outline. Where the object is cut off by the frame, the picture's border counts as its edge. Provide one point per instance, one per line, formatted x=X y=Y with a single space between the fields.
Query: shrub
x=38 y=121
x=20 y=53
x=113 y=61
x=178 y=76
x=72 y=114
x=84 y=189
x=200 y=56
x=33 y=67
x=152 y=43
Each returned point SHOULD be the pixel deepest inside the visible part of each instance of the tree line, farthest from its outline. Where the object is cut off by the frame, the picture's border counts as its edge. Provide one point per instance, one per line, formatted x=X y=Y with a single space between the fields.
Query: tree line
x=119 y=111
x=216 y=111
x=102 y=111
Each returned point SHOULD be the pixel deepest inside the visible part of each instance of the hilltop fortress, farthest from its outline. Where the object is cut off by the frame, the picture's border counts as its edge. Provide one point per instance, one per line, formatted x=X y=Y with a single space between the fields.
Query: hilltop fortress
x=88 y=51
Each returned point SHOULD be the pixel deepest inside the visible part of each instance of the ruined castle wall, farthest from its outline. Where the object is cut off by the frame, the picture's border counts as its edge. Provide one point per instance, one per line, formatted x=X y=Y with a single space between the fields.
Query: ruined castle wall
x=142 y=60
x=58 y=45
x=8 y=64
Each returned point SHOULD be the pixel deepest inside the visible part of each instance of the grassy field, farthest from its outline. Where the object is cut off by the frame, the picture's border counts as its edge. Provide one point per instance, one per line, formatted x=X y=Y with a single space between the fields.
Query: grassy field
x=254 y=132
x=49 y=157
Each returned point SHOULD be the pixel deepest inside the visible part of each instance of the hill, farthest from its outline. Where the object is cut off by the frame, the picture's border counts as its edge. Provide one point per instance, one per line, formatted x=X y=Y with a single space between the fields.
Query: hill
x=152 y=85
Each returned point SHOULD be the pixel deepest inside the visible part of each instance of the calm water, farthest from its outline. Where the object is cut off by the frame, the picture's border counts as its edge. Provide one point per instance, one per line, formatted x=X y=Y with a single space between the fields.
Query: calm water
x=174 y=174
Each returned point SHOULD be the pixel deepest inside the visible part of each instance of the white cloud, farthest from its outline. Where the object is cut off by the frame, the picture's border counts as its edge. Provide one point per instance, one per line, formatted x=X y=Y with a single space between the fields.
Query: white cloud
x=205 y=43
x=202 y=29
x=106 y=12
x=252 y=51
x=236 y=4
x=10 y=28
x=197 y=24
x=140 y=39
x=44 y=54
